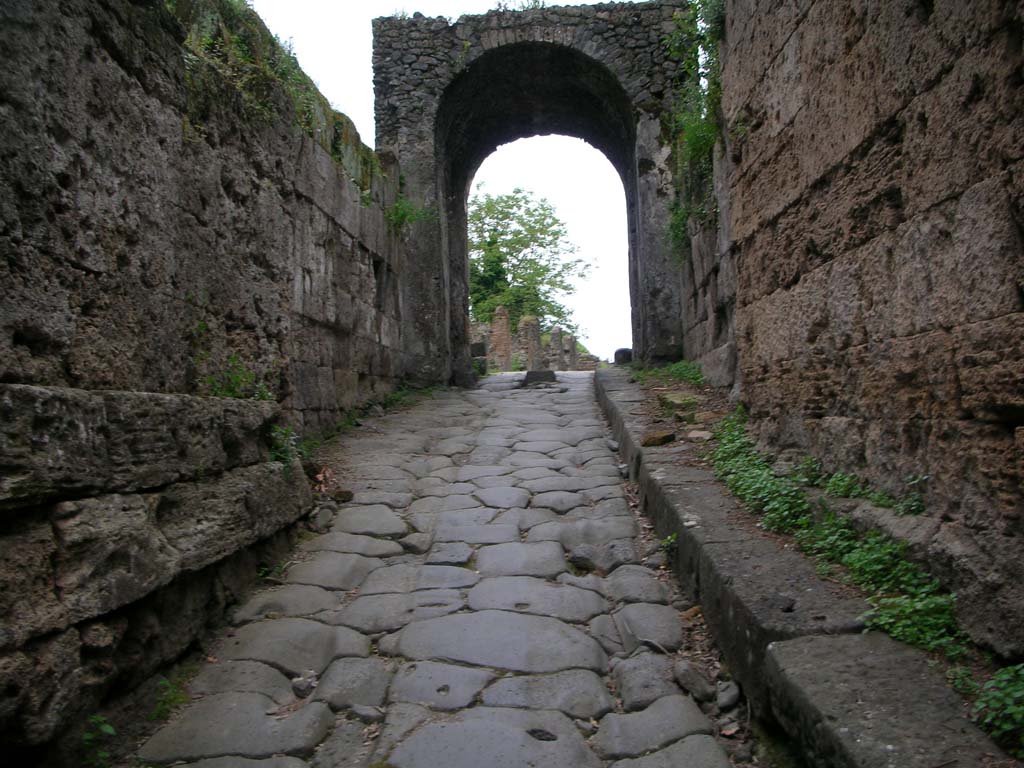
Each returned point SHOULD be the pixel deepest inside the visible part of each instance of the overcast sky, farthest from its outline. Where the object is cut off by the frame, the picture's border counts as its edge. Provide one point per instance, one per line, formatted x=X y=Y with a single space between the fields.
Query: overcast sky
x=333 y=41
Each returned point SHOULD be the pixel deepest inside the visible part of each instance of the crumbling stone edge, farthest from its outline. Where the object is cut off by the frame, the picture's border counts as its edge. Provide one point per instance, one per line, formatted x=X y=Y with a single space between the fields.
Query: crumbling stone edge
x=846 y=697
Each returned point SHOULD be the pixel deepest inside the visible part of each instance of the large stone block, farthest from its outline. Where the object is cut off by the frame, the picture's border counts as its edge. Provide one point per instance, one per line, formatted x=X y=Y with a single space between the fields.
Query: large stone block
x=58 y=442
x=98 y=554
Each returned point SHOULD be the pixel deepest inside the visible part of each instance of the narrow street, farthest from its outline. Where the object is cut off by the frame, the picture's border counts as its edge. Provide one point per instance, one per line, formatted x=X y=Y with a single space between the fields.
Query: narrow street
x=479 y=602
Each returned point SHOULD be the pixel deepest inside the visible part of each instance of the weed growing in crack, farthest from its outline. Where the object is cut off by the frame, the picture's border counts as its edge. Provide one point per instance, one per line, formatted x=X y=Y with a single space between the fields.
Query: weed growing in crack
x=171 y=694
x=95 y=743
x=1000 y=708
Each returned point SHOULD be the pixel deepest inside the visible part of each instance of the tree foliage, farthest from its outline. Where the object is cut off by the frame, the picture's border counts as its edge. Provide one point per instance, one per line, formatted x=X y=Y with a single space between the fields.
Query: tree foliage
x=520 y=258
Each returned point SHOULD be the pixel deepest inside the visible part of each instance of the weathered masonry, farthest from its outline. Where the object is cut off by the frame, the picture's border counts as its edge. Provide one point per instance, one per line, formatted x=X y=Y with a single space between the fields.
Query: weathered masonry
x=448 y=94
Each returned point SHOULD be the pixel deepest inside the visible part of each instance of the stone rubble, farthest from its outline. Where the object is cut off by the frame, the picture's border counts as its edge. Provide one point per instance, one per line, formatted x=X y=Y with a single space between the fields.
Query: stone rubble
x=478 y=643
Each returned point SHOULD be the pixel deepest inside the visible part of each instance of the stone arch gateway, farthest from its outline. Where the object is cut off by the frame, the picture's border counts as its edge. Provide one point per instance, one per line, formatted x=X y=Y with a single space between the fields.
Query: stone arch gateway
x=448 y=94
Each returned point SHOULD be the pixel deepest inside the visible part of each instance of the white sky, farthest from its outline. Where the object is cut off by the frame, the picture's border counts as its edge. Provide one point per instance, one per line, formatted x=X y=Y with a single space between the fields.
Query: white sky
x=333 y=41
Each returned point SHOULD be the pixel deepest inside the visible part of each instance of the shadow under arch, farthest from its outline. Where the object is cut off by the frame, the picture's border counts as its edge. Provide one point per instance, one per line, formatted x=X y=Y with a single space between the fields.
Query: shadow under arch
x=517 y=91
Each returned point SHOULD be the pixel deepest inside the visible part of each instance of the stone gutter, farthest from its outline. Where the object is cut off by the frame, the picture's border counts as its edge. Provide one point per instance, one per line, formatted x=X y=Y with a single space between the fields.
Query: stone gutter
x=849 y=698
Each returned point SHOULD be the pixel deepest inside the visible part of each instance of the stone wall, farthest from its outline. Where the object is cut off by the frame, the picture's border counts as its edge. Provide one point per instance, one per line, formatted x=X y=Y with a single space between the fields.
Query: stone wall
x=167 y=228
x=448 y=94
x=876 y=207
x=158 y=220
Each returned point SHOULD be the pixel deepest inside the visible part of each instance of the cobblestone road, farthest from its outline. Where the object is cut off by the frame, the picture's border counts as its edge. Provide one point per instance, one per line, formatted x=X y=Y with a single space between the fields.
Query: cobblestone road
x=478 y=603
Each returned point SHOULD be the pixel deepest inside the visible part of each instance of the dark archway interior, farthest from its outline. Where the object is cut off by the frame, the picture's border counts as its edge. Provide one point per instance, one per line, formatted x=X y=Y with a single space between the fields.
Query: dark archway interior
x=513 y=92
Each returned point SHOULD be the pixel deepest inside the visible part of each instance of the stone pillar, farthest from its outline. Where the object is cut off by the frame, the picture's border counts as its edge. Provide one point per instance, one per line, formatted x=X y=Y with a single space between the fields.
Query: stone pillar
x=555 y=355
x=529 y=329
x=500 y=351
x=572 y=358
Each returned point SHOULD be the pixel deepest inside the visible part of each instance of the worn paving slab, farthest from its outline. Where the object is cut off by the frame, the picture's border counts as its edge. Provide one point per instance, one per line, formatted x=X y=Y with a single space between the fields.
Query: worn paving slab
x=443 y=602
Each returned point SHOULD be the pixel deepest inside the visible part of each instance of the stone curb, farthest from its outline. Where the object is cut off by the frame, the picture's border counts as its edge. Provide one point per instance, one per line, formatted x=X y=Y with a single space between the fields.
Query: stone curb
x=849 y=699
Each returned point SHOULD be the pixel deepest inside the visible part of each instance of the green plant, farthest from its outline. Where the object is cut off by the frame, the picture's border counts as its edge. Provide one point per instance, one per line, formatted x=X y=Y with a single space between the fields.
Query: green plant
x=961 y=680
x=1000 y=708
x=694 y=44
x=284 y=444
x=783 y=505
x=171 y=695
x=404 y=213
x=95 y=741
x=687 y=371
x=926 y=620
x=669 y=543
x=520 y=258
x=808 y=471
x=842 y=485
x=907 y=602
x=236 y=380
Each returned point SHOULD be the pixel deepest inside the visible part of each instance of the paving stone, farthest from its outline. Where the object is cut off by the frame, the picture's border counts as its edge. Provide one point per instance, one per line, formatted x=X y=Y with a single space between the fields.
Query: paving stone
x=289 y=600
x=549 y=483
x=578 y=693
x=524 y=460
x=442 y=489
x=635 y=584
x=728 y=695
x=339 y=541
x=468 y=516
x=503 y=497
x=477 y=534
x=385 y=613
x=401 y=720
x=500 y=481
x=571 y=436
x=374 y=520
x=525 y=519
x=517 y=559
x=242 y=677
x=348 y=682
x=604 y=558
x=333 y=570
x=245 y=762
x=602 y=628
x=407 y=577
x=458 y=501
x=590 y=581
x=394 y=500
x=238 y=724
x=438 y=686
x=504 y=640
x=450 y=553
x=417 y=543
x=559 y=501
x=540 y=446
x=692 y=680
x=643 y=678
x=572 y=533
x=531 y=595
x=532 y=473
x=496 y=738
x=469 y=473
x=426 y=505
x=640 y=622
x=293 y=645
x=694 y=752
x=668 y=719
x=344 y=748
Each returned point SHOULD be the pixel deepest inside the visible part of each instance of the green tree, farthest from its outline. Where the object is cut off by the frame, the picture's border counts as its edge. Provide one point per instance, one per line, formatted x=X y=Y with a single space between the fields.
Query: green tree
x=520 y=258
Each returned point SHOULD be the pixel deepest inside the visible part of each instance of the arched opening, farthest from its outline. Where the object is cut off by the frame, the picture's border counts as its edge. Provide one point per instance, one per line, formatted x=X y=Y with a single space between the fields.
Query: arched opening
x=588 y=198
x=516 y=91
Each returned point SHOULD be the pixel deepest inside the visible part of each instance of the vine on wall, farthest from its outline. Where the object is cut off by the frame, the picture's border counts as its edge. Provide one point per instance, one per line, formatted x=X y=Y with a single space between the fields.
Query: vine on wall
x=694 y=126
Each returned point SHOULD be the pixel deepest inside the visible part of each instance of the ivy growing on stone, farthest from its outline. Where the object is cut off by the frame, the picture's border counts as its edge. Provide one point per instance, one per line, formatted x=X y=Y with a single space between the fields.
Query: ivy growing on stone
x=694 y=43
